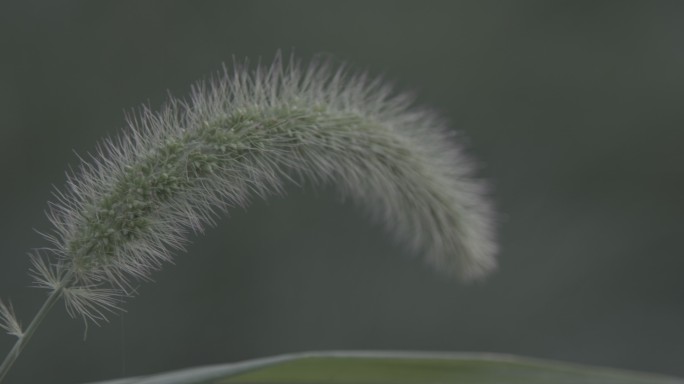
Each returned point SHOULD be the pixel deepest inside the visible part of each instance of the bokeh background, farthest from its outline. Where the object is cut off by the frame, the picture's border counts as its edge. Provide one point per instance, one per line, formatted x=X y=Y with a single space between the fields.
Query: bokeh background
x=573 y=109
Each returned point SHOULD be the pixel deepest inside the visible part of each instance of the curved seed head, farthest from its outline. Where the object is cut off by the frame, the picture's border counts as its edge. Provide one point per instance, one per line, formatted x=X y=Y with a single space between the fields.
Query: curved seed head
x=246 y=134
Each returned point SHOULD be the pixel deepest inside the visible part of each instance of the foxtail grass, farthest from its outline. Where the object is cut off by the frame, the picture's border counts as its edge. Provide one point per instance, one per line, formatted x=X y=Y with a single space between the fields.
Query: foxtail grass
x=245 y=134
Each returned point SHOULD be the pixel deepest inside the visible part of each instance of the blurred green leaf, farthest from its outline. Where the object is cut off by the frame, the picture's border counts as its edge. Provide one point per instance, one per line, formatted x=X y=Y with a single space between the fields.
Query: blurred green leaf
x=399 y=368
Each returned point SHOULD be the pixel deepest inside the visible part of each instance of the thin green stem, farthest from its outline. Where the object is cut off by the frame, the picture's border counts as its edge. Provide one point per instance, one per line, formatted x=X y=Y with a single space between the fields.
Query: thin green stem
x=20 y=344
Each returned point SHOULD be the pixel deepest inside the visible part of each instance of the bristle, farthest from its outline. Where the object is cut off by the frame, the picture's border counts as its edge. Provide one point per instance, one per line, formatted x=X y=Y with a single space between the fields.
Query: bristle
x=8 y=320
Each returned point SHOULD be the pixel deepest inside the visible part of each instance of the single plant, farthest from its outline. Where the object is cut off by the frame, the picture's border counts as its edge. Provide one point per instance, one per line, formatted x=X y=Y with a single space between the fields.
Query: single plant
x=250 y=133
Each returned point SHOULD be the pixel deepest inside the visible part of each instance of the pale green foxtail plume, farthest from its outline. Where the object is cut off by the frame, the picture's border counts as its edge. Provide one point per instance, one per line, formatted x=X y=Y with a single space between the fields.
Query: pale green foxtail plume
x=248 y=134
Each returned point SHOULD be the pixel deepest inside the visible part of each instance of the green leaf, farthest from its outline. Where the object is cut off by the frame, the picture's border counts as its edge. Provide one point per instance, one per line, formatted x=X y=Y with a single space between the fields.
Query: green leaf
x=400 y=368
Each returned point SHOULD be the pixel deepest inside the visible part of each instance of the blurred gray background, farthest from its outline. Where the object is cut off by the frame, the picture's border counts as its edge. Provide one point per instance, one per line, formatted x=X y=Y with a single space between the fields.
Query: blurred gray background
x=573 y=109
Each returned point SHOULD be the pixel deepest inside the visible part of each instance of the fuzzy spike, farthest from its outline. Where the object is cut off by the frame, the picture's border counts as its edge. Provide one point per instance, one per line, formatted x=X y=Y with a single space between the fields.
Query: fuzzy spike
x=247 y=134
